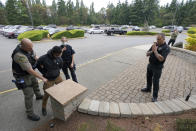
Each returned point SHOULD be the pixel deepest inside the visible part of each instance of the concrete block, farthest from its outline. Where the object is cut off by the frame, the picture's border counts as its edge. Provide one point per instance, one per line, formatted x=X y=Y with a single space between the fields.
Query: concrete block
x=182 y=105
x=104 y=109
x=94 y=107
x=173 y=106
x=145 y=109
x=135 y=109
x=114 y=110
x=125 y=110
x=164 y=108
x=189 y=103
x=155 y=109
x=84 y=105
x=65 y=98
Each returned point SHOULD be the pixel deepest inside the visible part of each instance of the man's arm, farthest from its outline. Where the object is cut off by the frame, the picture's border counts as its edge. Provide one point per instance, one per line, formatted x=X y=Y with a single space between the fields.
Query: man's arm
x=158 y=56
x=149 y=52
x=26 y=66
x=34 y=73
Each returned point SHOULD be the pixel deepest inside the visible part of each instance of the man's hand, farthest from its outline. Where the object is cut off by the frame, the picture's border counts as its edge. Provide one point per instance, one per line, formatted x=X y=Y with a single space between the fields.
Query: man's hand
x=44 y=80
x=154 y=47
x=72 y=65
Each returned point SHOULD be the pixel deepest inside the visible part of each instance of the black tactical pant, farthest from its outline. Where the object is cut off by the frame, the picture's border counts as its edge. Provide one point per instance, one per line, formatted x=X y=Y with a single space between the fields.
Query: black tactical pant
x=72 y=71
x=171 y=41
x=153 y=75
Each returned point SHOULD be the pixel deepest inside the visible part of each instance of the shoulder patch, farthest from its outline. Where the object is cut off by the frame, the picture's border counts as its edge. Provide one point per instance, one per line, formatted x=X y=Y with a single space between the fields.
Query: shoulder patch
x=22 y=59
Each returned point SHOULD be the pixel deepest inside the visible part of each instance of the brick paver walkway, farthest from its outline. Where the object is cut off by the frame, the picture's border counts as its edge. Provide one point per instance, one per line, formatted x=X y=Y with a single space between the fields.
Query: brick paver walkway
x=177 y=78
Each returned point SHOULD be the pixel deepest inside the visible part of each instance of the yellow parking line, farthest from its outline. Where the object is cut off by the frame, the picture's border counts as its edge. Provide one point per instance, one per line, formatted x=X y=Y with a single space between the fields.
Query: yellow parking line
x=5 y=70
x=8 y=91
x=79 y=66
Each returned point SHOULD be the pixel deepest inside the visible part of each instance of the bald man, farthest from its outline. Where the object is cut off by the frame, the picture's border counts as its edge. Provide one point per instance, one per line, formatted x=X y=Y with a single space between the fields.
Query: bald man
x=157 y=57
x=23 y=60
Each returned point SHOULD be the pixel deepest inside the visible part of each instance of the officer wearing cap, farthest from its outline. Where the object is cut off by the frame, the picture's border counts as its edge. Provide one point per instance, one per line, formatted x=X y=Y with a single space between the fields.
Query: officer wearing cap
x=68 y=60
x=23 y=60
x=158 y=54
x=50 y=65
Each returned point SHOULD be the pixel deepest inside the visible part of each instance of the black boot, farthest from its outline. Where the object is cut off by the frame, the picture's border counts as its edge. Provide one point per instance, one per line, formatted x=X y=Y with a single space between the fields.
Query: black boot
x=44 y=112
x=146 y=90
x=33 y=117
x=39 y=97
x=154 y=99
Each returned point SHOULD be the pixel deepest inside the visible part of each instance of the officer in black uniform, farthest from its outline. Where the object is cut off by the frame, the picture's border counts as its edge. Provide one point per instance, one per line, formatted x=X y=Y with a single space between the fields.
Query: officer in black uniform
x=23 y=60
x=50 y=65
x=158 y=54
x=68 y=60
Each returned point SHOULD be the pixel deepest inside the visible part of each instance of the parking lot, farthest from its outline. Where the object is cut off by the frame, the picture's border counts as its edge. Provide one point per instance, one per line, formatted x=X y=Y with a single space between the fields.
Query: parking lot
x=90 y=48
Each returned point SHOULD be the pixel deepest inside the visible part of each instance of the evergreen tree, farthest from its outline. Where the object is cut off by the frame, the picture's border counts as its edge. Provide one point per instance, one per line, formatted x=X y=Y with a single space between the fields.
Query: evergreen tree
x=11 y=10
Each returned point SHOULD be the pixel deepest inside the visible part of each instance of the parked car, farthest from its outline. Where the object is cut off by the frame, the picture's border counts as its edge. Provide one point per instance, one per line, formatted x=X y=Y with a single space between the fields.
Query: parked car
x=10 y=32
x=52 y=25
x=53 y=31
x=135 y=28
x=39 y=27
x=180 y=29
x=152 y=27
x=4 y=29
x=70 y=28
x=95 y=31
x=22 y=30
x=115 y=31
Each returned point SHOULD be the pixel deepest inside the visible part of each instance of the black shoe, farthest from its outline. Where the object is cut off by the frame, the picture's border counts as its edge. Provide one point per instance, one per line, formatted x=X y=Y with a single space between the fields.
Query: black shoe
x=154 y=99
x=145 y=90
x=39 y=97
x=33 y=117
x=44 y=112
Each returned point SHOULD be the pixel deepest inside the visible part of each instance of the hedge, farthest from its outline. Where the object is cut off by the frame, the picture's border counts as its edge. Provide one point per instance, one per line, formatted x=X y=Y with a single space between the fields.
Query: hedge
x=191 y=40
x=141 y=33
x=192 y=30
x=68 y=34
x=166 y=31
x=34 y=35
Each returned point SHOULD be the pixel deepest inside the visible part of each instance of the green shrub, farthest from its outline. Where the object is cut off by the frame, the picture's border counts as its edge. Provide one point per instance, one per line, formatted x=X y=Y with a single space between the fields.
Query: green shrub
x=141 y=33
x=167 y=34
x=34 y=35
x=191 y=44
x=68 y=34
x=192 y=30
x=192 y=35
x=166 y=31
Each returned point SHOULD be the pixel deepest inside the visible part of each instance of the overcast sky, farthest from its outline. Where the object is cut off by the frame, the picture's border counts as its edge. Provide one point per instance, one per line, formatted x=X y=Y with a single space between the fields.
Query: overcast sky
x=98 y=4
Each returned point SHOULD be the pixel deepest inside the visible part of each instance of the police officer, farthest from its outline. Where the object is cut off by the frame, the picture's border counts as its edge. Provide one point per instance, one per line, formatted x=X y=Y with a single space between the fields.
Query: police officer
x=68 y=60
x=173 y=37
x=50 y=65
x=23 y=59
x=158 y=54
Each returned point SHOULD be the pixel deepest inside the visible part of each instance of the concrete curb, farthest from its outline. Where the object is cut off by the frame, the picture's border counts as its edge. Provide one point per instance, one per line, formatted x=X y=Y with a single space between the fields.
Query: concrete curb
x=184 y=54
x=112 y=109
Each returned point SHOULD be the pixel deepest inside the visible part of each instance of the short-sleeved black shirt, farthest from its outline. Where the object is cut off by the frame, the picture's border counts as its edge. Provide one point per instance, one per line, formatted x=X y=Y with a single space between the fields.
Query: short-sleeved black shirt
x=67 y=54
x=163 y=50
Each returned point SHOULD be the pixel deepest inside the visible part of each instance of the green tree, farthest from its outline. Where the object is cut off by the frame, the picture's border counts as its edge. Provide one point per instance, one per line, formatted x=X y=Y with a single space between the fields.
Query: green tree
x=3 y=19
x=11 y=12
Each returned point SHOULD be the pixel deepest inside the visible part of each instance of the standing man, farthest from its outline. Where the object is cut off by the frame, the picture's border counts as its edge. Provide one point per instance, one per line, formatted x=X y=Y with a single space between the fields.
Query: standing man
x=23 y=60
x=173 y=37
x=68 y=60
x=50 y=65
x=158 y=54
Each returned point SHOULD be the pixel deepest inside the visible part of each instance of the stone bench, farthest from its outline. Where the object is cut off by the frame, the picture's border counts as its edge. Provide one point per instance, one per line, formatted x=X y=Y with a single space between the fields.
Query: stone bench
x=65 y=98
